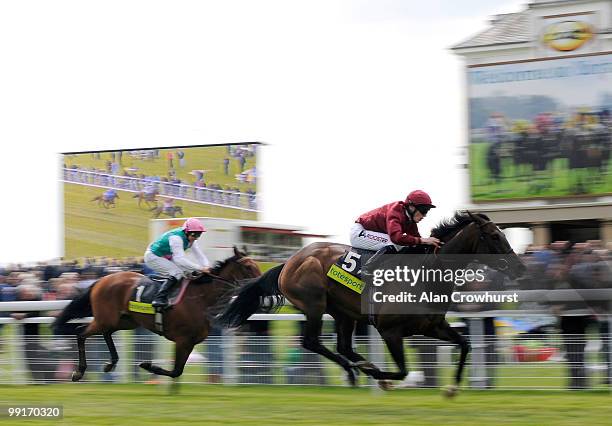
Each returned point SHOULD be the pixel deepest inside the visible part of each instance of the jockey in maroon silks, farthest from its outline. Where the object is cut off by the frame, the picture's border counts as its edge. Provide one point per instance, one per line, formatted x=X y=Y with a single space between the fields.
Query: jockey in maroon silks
x=393 y=226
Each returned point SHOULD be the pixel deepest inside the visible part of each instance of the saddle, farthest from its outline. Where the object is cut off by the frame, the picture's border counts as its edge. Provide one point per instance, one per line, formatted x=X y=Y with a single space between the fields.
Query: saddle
x=147 y=289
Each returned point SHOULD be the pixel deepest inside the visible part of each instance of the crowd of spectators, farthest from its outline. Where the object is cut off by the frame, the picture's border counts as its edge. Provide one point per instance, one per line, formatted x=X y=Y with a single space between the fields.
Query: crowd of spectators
x=562 y=265
x=57 y=280
x=559 y=265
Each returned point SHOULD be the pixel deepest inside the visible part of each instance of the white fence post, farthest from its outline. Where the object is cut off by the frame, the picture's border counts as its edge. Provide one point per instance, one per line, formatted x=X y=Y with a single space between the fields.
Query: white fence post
x=478 y=370
x=18 y=354
x=376 y=351
x=230 y=367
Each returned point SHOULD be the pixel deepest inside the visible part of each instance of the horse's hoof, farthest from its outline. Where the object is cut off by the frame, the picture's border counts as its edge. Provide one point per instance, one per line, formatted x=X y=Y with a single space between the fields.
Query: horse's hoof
x=145 y=365
x=109 y=367
x=385 y=385
x=450 y=391
x=76 y=376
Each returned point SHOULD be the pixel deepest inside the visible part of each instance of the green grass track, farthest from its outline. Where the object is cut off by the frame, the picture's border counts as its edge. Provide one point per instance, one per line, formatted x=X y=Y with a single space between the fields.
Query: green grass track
x=86 y=404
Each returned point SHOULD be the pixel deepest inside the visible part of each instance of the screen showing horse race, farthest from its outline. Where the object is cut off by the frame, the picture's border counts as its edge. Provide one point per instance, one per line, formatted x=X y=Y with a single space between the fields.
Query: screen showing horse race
x=110 y=196
x=540 y=129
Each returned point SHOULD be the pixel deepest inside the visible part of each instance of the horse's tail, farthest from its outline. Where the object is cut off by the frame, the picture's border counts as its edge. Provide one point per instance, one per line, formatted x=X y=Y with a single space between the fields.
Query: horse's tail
x=249 y=298
x=80 y=307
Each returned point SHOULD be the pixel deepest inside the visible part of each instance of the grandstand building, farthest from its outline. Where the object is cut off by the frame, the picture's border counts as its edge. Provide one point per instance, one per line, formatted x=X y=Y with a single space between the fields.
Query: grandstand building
x=539 y=89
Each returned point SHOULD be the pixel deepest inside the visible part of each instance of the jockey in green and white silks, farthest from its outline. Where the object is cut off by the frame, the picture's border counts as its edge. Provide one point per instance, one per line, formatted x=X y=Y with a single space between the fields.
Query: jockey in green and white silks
x=166 y=256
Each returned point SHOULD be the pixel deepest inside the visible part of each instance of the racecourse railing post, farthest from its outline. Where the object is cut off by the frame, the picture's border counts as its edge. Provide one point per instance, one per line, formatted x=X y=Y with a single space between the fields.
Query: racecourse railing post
x=608 y=354
x=376 y=354
x=17 y=352
x=478 y=370
x=123 y=371
x=229 y=349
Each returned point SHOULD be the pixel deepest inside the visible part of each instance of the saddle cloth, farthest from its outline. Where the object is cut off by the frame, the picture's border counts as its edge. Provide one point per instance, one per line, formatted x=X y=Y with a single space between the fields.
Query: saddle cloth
x=347 y=269
x=147 y=289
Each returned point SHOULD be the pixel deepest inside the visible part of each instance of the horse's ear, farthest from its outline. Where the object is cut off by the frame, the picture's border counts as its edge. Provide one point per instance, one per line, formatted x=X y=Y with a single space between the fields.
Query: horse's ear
x=476 y=218
x=238 y=253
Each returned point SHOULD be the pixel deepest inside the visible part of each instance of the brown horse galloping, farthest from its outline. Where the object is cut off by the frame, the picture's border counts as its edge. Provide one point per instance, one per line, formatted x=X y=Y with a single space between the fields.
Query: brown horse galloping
x=150 y=198
x=186 y=324
x=303 y=280
x=105 y=202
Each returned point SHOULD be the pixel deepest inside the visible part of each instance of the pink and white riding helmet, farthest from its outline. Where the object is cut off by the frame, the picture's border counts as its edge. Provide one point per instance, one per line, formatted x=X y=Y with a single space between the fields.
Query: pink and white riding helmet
x=193 y=225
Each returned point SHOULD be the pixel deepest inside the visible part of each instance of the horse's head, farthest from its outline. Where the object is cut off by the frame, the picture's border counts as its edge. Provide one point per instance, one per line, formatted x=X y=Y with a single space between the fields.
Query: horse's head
x=237 y=267
x=477 y=235
x=489 y=240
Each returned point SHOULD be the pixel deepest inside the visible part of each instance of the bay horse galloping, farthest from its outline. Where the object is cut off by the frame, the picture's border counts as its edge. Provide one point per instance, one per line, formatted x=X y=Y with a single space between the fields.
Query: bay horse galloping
x=303 y=280
x=148 y=197
x=106 y=200
x=186 y=324
x=171 y=211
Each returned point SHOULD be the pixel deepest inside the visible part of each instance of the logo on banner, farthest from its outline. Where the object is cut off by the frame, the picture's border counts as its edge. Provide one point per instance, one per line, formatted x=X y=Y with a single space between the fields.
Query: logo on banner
x=567 y=35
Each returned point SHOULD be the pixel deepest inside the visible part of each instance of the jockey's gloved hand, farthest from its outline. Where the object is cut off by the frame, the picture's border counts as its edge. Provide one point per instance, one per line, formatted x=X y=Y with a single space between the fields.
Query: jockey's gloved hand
x=432 y=241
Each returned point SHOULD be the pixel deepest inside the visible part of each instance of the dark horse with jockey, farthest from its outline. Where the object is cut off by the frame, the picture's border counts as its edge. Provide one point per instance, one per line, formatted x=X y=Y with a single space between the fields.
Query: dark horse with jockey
x=305 y=282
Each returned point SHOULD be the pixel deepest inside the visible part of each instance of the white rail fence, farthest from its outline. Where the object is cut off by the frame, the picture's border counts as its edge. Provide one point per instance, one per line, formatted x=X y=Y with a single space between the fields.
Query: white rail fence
x=498 y=361
x=182 y=192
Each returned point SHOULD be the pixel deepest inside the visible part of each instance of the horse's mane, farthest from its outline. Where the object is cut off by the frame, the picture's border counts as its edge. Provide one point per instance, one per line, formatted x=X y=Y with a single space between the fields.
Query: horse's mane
x=220 y=264
x=453 y=225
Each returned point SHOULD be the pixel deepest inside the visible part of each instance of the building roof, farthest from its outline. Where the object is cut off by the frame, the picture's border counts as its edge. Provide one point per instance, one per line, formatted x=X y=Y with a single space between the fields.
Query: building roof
x=506 y=28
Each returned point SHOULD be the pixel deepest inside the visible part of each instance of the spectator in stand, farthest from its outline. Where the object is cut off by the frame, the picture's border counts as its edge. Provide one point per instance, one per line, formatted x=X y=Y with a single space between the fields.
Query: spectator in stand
x=9 y=292
x=3 y=285
x=226 y=163
x=181 y=157
x=34 y=353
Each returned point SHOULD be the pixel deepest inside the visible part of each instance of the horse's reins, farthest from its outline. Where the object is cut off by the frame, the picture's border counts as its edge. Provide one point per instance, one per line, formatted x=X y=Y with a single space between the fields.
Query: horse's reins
x=220 y=278
x=217 y=277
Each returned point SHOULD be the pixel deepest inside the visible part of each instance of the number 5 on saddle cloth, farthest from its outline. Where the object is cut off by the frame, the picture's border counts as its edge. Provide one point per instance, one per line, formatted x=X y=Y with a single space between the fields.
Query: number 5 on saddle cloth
x=347 y=269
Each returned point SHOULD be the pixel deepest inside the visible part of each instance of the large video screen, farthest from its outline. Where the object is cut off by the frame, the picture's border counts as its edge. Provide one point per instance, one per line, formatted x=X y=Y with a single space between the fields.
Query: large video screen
x=110 y=196
x=540 y=129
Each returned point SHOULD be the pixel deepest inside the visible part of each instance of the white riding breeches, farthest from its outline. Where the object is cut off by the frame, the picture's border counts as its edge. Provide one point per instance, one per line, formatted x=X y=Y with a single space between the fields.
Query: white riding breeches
x=163 y=266
x=369 y=240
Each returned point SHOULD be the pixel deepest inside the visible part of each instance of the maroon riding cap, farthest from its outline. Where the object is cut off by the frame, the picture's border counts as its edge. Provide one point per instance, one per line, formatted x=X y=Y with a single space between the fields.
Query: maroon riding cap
x=419 y=198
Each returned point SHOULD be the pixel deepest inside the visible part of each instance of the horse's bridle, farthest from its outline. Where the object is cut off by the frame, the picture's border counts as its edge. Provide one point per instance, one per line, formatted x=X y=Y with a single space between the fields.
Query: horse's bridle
x=502 y=263
x=225 y=280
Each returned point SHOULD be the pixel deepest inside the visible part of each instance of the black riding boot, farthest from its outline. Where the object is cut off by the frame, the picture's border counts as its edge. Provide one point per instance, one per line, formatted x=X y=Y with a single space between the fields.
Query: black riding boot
x=161 y=300
x=376 y=258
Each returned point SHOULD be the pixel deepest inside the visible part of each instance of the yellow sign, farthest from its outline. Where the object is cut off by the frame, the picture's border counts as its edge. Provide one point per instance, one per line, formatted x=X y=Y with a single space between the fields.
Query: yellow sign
x=338 y=274
x=141 y=307
x=567 y=35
